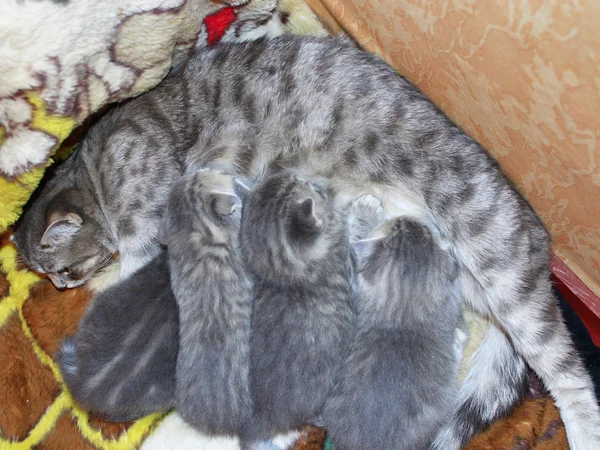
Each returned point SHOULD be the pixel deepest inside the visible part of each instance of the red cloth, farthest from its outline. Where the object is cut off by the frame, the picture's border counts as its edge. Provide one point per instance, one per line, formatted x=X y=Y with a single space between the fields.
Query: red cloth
x=218 y=23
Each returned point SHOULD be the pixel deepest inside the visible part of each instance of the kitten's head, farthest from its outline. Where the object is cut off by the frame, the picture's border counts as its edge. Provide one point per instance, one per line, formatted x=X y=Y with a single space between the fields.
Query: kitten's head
x=204 y=202
x=61 y=236
x=290 y=227
x=403 y=257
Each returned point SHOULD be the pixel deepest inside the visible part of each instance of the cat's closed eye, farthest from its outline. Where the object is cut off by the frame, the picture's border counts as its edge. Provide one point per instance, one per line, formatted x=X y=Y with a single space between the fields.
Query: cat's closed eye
x=64 y=271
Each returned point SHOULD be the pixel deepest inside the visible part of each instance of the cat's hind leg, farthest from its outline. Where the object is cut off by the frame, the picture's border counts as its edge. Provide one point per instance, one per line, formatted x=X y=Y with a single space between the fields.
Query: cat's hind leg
x=517 y=294
x=503 y=251
x=496 y=382
x=539 y=334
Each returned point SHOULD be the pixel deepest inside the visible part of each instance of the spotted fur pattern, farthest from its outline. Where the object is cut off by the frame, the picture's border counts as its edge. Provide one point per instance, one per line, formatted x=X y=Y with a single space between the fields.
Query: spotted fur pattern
x=327 y=108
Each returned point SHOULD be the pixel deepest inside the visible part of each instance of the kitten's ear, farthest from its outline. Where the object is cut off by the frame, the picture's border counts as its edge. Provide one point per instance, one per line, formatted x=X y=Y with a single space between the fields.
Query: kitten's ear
x=225 y=204
x=242 y=187
x=62 y=226
x=306 y=214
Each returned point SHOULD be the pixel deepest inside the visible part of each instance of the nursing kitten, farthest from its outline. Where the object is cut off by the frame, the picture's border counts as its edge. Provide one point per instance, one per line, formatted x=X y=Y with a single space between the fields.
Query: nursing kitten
x=398 y=385
x=325 y=107
x=213 y=293
x=295 y=244
x=121 y=362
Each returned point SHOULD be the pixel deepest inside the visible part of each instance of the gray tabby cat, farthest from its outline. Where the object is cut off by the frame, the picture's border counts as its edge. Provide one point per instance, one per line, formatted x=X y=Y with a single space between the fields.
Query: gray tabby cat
x=398 y=386
x=121 y=362
x=295 y=244
x=327 y=108
x=214 y=295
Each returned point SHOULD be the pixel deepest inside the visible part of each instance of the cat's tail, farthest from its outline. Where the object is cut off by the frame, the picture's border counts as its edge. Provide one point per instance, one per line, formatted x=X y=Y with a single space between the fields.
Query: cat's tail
x=67 y=360
x=497 y=381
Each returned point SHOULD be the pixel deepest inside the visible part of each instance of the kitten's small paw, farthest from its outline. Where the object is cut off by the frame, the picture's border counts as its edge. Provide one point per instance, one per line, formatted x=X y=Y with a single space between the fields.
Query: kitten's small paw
x=366 y=213
x=368 y=205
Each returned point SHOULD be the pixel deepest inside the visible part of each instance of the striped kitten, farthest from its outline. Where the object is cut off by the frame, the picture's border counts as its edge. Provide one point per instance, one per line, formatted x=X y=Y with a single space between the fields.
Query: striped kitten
x=294 y=243
x=213 y=295
x=327 y=108
x=398 y=385
x=121 y=362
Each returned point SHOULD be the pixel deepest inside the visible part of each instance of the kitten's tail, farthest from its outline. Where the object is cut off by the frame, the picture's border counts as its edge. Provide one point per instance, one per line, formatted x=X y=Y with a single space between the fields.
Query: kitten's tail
x=67 y=360
x=497 y=381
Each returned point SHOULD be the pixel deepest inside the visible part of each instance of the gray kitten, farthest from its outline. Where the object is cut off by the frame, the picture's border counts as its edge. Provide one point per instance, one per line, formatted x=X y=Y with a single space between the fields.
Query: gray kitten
x=121 y=362
x=398 y=385
x=214 y=295
x=325 y=107
x=295 y=244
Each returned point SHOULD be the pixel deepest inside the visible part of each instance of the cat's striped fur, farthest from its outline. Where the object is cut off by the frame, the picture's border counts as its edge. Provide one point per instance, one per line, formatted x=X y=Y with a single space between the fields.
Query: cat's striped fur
x=213 y=294
x=327 y=108
x=295 y=245
x=398 y=386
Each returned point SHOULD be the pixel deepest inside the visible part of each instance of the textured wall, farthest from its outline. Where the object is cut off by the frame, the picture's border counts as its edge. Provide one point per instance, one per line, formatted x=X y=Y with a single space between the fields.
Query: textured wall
x=523 y=78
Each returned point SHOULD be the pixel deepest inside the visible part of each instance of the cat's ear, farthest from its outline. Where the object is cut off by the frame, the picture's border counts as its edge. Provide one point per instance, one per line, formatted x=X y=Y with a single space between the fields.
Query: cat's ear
x=242 y=187
x=306 y=214
x=62 y=226
x=225 y=204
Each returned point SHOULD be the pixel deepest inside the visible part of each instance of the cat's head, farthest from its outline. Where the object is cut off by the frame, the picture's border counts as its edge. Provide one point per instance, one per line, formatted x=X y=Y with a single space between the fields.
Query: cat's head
x=403 y=257
x=61 y=236
x=289 y=226
x=206 y=202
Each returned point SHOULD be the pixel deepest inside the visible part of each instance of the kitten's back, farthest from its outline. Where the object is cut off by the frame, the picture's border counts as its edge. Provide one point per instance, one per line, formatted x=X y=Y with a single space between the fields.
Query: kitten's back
x=296 y=246
x=213 y=295
x=121 y=362
x=402 y=366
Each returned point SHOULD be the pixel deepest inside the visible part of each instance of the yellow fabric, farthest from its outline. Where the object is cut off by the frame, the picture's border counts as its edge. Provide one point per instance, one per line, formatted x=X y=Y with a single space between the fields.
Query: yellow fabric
x=15 y=193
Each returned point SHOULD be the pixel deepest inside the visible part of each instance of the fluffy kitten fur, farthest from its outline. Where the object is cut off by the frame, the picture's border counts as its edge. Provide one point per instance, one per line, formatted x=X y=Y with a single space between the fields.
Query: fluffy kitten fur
x=295 y=244
x=214 y=295
x=398 y=385
x=121 y=362
x=327 y=108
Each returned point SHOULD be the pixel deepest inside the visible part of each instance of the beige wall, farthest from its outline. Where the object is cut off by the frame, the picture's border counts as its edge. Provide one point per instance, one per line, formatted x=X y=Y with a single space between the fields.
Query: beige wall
x=523 y=78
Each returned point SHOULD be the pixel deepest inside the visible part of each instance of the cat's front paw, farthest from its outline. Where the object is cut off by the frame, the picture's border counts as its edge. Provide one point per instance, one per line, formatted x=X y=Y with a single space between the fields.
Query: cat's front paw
x=366 y=214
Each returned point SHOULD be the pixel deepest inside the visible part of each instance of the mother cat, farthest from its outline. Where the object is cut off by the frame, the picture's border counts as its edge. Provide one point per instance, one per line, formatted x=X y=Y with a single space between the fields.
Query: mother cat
x=330 y=109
